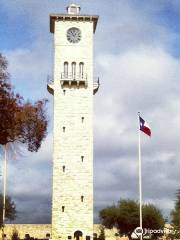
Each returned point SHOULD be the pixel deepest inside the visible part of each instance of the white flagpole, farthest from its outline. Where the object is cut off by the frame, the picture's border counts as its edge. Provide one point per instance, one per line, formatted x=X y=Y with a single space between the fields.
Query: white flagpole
x=140 y=178
x=4 y=188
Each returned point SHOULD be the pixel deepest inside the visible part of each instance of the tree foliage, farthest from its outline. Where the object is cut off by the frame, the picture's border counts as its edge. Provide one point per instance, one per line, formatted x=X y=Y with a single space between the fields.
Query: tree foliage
x=152 y=217
x=175 y=214
x=10 y=209
x=15 y=235
x=125 y=216
x=21 y=121
x=102 y=234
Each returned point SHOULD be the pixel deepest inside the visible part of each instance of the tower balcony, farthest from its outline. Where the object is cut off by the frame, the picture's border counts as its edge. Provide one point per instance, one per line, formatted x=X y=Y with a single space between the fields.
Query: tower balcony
x=73 y=80
x=68 y=80
x=50 y=85
x=96 y=86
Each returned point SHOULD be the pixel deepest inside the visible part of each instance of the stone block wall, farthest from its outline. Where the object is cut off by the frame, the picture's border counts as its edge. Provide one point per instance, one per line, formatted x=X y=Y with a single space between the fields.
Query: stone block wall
x=34 y=230
x=40 y=231
x=72 y=205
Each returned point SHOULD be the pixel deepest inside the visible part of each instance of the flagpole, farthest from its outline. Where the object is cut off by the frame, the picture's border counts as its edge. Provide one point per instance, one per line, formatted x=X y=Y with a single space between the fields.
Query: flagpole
x=140 y=177
x=4 y=189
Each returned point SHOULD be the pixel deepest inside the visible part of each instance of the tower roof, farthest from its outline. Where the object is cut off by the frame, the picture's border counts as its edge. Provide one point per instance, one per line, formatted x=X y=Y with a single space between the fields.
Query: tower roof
x=72 y=17
x=73 y=14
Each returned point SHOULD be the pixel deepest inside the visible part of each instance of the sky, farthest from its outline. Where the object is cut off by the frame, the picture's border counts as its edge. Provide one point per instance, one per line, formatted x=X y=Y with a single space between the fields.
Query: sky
x=137 y=58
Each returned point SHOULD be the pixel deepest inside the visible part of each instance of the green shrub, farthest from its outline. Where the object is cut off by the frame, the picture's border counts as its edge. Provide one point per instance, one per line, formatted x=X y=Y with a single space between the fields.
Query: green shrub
x=15 y=235
x=102 y=234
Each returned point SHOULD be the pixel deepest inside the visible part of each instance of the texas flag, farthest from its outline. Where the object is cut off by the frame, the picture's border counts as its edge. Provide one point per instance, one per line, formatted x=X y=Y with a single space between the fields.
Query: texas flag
x=144 y=127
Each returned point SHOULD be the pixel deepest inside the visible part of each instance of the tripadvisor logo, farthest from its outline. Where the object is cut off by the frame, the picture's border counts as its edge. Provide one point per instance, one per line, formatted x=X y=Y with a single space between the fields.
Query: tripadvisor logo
x=140 y=231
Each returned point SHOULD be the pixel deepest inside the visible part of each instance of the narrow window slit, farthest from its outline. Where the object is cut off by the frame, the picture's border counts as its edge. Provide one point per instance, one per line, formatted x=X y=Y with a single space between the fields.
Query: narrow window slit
x=63 y=208
x=82 y=198
x=64 y=128
x=64 y=92
x=82 y=119
x=63 y=168
x=82 y=158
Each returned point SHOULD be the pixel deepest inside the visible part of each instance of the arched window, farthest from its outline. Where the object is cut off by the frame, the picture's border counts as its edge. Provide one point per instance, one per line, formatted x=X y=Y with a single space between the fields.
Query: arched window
x=65 y=69
x=73 y=69
x=81 y=69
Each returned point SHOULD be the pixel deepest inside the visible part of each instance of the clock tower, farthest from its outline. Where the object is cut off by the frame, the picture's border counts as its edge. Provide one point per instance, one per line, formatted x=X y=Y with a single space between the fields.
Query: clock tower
x=73 y=87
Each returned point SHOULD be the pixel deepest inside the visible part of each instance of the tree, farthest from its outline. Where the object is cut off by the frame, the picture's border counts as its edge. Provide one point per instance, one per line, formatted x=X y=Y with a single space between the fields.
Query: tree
x=32 y=124
x=109 y=216
x=20 y=121
x=102 y=234
x=10 y=209
x=152 y=217
x=125 y=217
x=8 y=103
x=15 y=235
x=175 y=216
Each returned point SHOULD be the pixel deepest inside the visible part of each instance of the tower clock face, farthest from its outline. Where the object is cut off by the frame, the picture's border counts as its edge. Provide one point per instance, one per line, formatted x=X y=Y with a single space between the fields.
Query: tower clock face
x=73 y=35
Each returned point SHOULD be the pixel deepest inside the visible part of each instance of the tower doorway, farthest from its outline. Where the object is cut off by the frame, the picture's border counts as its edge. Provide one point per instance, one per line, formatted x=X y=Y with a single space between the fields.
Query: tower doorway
x=77 y=235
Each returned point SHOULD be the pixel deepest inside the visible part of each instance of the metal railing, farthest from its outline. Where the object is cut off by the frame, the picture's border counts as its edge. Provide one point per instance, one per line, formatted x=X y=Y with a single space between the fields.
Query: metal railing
x=79 y=78
x=50 y=80
x=96 y=85
x=73 y=77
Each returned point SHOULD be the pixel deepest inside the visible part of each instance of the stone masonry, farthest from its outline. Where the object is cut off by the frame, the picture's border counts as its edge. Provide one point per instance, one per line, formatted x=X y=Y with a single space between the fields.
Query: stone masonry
x=72 y=201
x=43 y=231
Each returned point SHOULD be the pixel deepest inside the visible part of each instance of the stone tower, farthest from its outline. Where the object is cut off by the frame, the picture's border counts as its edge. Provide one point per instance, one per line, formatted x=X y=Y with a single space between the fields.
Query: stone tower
x=73 y=87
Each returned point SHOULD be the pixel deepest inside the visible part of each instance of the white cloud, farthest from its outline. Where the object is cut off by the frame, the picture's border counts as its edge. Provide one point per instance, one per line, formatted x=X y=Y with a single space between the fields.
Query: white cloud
x=138 y=73
x=143 y=79
x=29 y=69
